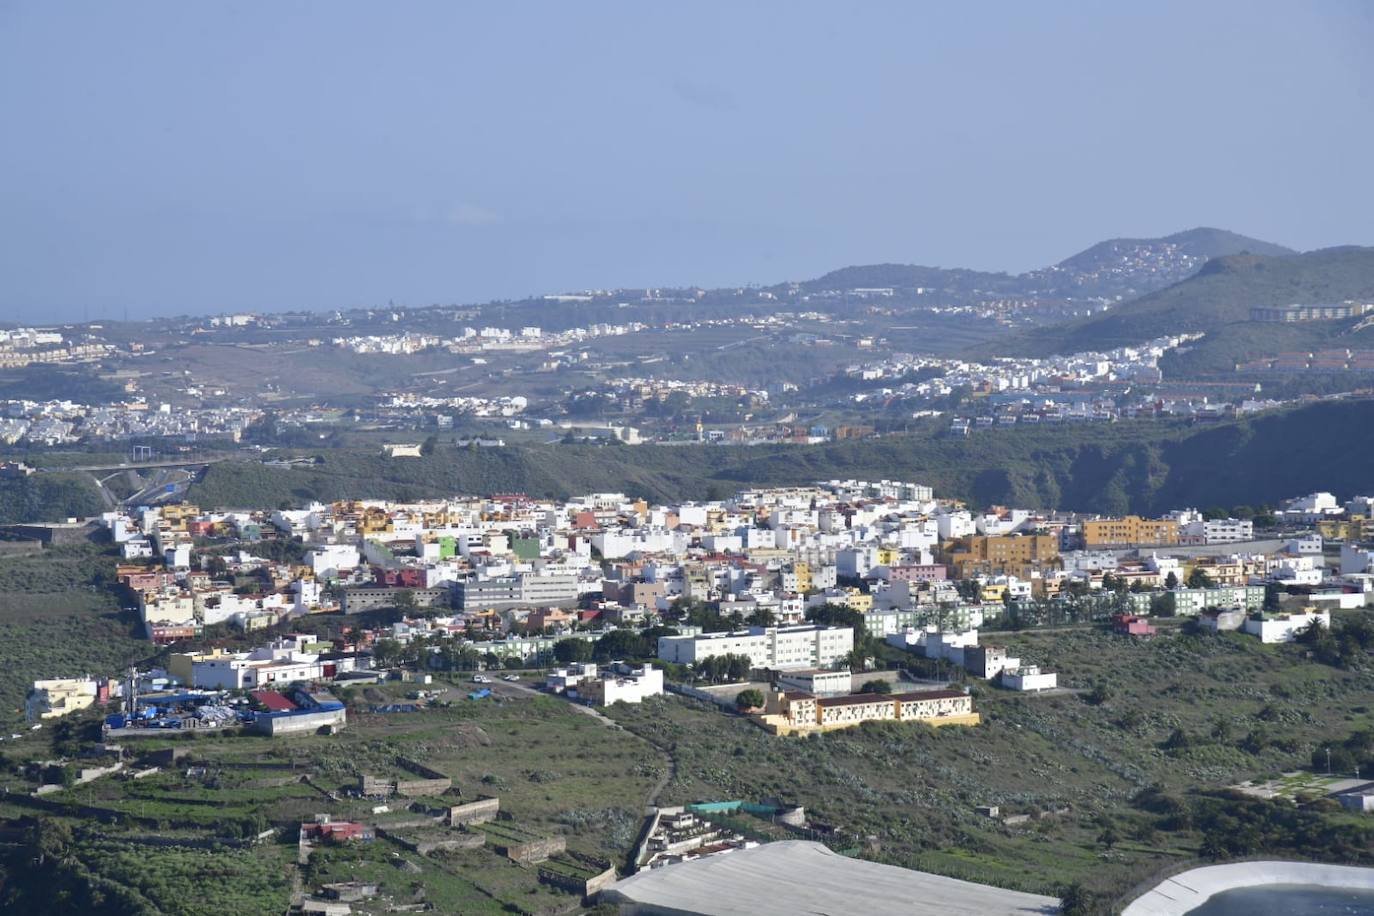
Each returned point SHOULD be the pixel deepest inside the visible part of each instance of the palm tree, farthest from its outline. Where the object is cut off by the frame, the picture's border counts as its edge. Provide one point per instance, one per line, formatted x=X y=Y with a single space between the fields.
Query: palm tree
x=854 y=659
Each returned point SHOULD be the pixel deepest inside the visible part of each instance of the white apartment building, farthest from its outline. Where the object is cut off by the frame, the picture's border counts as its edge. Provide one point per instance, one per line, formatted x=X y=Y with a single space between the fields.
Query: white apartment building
x=1313 y=507
x=954 y=525
x=855 y=562
x=766 y=647
x=616 y=543
x=1217 y=531
x=523 y=590
x=328 y=560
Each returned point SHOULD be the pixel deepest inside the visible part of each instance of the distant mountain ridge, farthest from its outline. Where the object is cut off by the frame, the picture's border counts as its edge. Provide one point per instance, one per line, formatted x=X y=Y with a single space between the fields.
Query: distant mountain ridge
x=1112 y=269
x=1201 y=243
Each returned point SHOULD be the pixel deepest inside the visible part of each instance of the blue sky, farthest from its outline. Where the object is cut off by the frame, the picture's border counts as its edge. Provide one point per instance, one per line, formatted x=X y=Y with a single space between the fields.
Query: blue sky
x=170 y=158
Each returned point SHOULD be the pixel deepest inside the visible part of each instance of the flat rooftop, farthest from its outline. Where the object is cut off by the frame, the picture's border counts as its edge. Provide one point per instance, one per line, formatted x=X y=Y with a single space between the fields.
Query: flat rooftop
x=801 y=878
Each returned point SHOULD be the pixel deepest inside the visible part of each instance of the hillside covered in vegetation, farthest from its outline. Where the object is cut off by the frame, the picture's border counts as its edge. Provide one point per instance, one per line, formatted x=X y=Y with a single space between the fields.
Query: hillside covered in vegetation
x=1217 y=301
x=1140 y=466
x=48 y=497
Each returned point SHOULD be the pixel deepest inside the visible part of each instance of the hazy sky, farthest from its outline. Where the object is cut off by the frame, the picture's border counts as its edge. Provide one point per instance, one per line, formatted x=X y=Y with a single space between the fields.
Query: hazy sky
x=180 y=157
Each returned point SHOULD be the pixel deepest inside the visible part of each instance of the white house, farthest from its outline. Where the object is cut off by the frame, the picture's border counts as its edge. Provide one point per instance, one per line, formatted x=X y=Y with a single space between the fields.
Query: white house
x=1028 y=678
x=1285 y=627
x=622 y=683
x=1313 y=507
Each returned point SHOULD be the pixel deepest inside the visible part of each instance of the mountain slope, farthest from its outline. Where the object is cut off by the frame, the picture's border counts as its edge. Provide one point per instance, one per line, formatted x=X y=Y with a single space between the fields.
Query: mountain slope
x=1144 y=466
x=1203 y=242
x=1113 y=269
x=910 y=276
x=1217 y=301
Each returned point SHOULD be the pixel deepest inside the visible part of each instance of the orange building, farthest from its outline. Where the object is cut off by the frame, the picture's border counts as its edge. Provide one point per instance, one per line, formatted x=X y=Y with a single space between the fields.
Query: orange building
x=1131 y=531
x=1012 y=555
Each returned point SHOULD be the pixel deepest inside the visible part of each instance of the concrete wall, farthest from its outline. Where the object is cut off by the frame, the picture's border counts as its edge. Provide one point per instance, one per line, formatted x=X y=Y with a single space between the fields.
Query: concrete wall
x=475 y=812
x=417 y=788
x=583 y=887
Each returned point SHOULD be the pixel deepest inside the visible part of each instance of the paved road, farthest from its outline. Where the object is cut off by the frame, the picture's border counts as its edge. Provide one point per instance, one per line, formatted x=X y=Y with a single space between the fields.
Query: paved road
x=138 y=465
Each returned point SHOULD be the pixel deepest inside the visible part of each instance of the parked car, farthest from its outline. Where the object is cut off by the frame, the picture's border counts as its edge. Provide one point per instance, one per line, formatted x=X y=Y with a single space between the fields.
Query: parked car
x=510 y=677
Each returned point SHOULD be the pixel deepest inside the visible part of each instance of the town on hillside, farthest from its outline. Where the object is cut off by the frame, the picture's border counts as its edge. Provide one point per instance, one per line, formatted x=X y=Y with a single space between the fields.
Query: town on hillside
x=799 y=611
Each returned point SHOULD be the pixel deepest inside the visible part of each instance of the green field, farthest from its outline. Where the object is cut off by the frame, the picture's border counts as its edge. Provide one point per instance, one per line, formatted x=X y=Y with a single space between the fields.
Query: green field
x=556 y=771
x=1120 y=779
x=913 y=789
x=49 y=497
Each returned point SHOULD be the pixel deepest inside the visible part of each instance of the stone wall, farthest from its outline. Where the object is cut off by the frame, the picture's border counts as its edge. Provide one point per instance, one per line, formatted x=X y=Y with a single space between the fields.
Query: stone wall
x=432 y=783
x=424 y=845
x=529 y=853
x=584 y=886
x=373 y=785
x=415 y=788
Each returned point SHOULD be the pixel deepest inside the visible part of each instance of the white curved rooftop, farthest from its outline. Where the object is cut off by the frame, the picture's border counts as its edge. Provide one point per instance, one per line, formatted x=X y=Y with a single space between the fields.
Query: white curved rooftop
x=801 y=878
x=1191 y=889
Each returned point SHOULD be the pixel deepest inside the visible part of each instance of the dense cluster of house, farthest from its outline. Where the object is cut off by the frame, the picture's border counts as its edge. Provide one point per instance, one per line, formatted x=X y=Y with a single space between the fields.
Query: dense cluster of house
x=24 y=346
x=784 y=581
x=60 y=422
x=477 y=340
x=515 y=568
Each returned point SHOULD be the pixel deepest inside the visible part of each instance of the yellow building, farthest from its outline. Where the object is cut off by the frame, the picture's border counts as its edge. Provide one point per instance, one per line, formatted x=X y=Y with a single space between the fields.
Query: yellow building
x=993 y=593
x=796 y=712
x=1012 y=555
x=856 y=600
x=1046 y=586
x=1355 y=528
x=1130 y=531
x=803 y=573
x=176 y=516
x=59 y=697
x=1221 y=572
x=374 y=521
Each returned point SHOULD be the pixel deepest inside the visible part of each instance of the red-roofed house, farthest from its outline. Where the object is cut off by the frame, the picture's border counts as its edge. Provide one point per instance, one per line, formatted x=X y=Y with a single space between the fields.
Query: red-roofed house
x=274 y=701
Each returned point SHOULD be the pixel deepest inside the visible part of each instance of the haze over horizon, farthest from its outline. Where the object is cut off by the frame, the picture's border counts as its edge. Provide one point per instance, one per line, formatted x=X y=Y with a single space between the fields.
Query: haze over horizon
x=189 y=159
